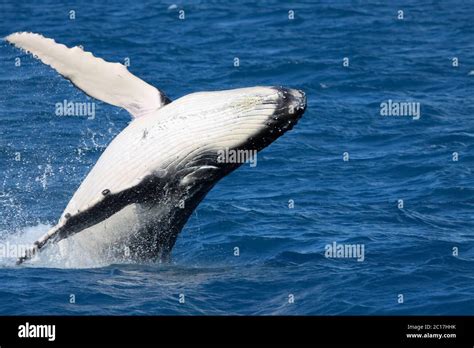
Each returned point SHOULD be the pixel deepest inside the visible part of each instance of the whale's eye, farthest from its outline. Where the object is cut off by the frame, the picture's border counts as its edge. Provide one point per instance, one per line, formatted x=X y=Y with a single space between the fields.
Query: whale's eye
x=67 y=216
x=106 y=192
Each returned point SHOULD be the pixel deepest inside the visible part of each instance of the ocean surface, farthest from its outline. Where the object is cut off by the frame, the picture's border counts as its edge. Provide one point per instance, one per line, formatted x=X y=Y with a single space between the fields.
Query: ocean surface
x=338 y=176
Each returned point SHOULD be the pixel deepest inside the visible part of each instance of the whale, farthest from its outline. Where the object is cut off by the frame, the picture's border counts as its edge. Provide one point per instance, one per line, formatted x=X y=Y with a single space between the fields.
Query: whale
x=148 y=181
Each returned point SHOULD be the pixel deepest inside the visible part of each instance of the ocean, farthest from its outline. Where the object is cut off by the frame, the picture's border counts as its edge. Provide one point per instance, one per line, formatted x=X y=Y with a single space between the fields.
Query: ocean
x=354 y=172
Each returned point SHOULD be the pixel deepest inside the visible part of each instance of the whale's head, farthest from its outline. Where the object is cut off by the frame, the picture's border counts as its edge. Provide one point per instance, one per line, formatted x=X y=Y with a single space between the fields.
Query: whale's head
x=228 y=127
x=265 y=114
x=260 y=116
x=225 y=129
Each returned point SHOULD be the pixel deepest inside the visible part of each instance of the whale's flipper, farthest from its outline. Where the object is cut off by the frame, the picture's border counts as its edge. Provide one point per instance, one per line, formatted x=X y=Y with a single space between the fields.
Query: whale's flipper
x=109 y=82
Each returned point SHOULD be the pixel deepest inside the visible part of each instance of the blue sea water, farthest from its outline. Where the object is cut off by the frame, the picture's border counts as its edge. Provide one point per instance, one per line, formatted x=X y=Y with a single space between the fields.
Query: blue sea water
x=408 y=251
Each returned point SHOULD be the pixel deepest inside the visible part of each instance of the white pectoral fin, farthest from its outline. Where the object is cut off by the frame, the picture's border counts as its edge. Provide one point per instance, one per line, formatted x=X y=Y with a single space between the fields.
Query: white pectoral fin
x=109 y=82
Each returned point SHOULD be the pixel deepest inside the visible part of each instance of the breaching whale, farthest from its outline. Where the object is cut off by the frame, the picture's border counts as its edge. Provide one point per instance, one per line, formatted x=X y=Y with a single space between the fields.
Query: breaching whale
x=153 y=174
